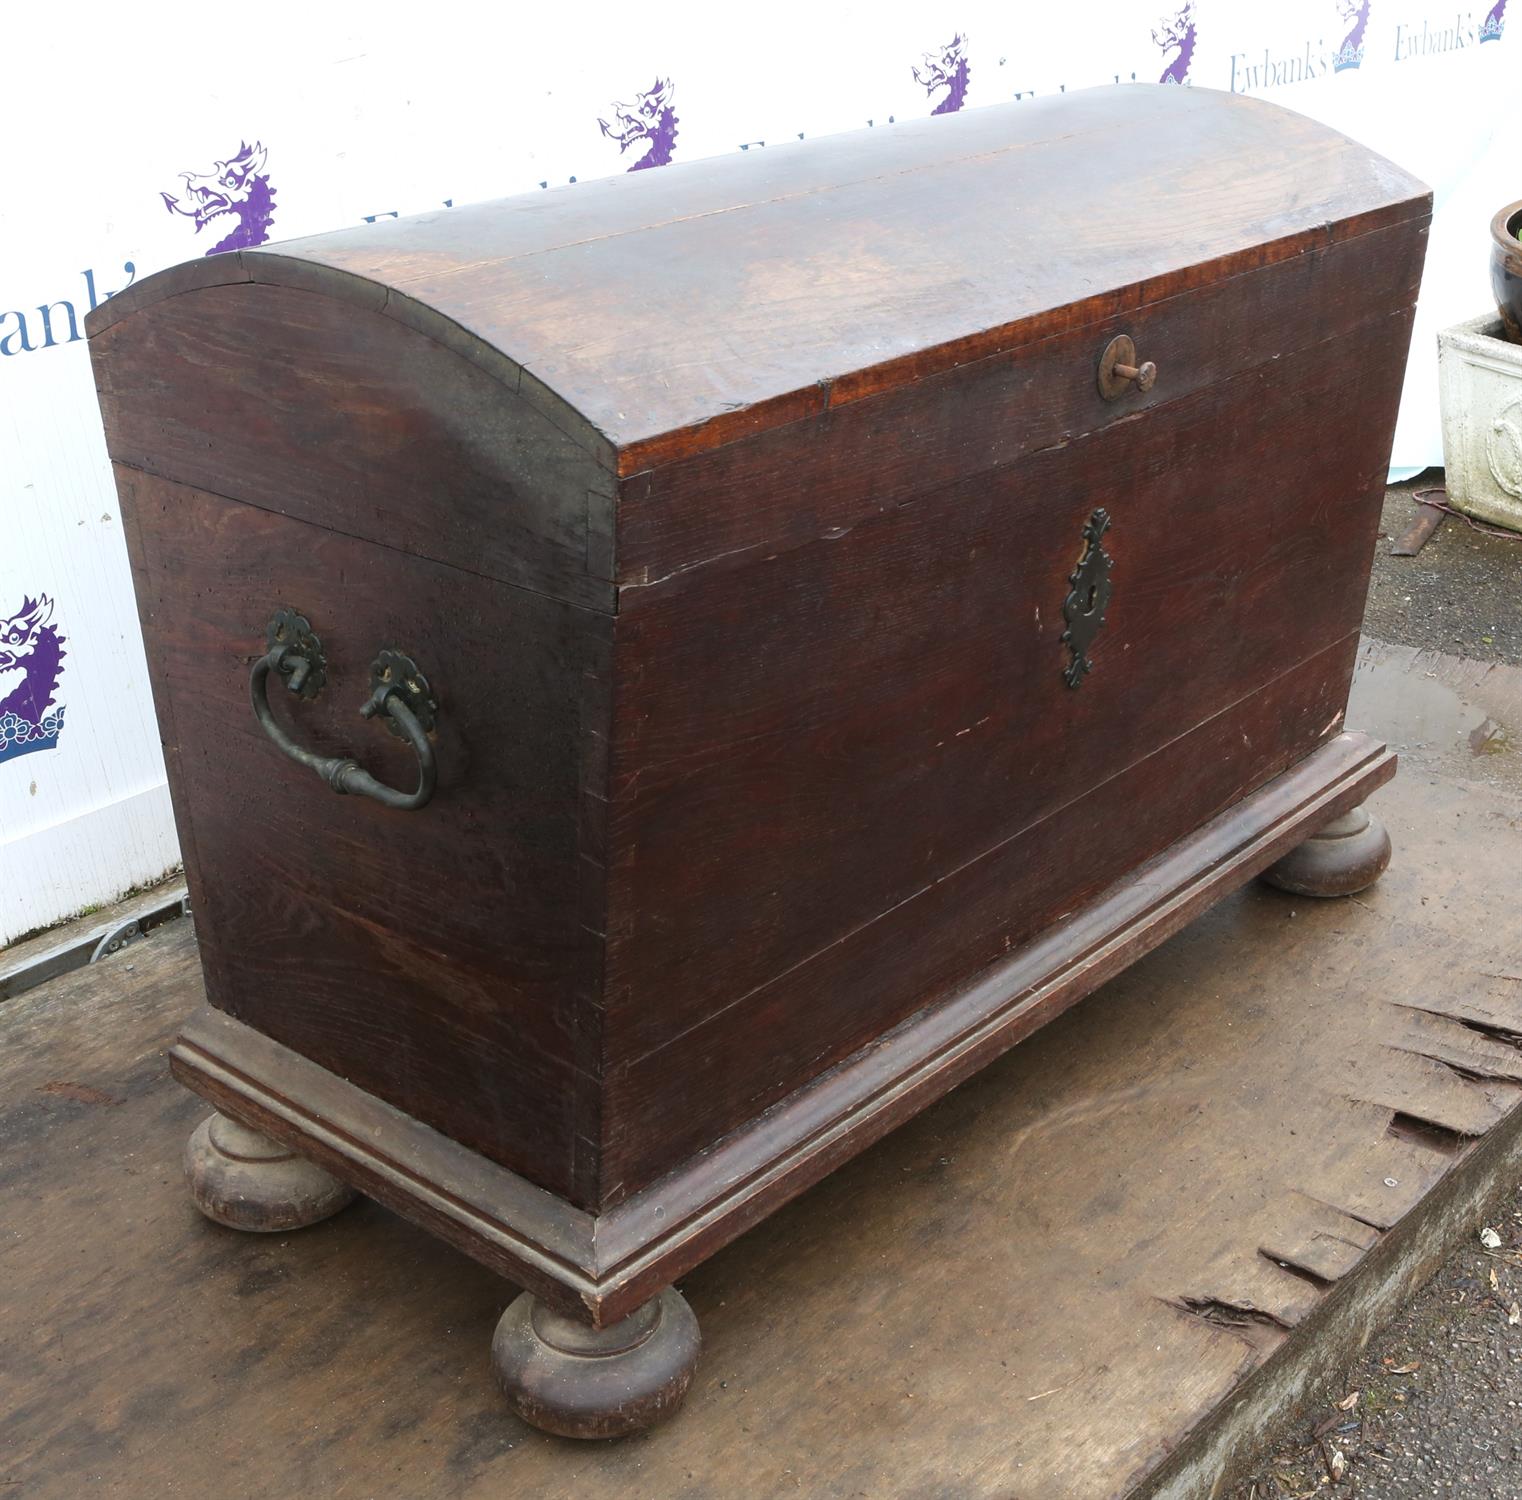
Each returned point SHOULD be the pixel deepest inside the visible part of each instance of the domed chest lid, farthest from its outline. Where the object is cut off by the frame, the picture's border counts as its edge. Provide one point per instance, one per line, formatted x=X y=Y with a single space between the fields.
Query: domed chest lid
x=731 y=294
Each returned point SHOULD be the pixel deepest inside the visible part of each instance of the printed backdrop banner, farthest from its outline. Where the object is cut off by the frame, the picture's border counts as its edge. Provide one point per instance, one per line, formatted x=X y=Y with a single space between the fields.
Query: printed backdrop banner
x=187 y=131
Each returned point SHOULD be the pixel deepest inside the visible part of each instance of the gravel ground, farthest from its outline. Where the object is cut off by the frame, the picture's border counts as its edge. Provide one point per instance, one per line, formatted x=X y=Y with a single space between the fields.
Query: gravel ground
x=1434 y=1408
x=1462 y=593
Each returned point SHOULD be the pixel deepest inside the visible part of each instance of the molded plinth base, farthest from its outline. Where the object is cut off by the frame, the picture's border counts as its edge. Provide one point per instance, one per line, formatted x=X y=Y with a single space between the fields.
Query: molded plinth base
x=247 y=1181
x=1348 y=855
x=581 y=1382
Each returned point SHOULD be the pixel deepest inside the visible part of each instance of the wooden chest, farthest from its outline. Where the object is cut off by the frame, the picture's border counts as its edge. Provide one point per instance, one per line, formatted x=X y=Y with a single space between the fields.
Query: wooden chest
x=852 y=599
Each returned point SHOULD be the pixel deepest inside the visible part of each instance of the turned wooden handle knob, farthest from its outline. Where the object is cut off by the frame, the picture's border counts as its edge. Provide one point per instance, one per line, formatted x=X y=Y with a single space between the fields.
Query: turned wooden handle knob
x=1120 y=370
x=1144 y=374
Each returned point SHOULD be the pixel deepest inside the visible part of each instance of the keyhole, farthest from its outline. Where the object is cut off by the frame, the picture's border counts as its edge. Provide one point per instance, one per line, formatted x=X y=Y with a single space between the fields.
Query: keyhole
x=1093 y=598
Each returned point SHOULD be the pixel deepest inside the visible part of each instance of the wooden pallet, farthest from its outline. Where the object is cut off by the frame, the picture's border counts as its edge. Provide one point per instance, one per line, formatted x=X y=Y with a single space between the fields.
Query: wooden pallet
x=1158 y=1223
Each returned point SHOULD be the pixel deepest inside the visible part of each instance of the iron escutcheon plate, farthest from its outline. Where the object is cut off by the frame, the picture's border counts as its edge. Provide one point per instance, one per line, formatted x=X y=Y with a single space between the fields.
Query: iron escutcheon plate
x=1088 y=598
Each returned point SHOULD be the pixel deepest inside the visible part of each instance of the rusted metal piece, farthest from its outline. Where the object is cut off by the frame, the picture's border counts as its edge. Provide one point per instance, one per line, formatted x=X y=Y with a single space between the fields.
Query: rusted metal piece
x=1119 y=369
x=1419 y=532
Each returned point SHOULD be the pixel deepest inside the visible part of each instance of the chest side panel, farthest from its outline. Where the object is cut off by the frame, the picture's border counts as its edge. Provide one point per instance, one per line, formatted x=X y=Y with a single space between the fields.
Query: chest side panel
x=448 y=959
x=444 y=959
x=814 y=749
x=320 y=407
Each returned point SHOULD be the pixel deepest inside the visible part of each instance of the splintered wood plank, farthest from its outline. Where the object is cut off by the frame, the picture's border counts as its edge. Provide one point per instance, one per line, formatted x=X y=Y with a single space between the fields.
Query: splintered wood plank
x=1316 y=1240
x=1060 y=1283
x=1498 y=1014
x=1474 y=1052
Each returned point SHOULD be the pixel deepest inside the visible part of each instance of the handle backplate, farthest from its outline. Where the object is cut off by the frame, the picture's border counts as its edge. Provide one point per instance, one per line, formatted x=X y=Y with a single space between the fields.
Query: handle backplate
x=394 y=674
x=302 y=664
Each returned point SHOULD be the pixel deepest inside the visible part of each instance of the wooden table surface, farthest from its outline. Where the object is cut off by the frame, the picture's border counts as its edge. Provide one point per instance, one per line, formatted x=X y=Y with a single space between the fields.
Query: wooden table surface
x=1036 y=1289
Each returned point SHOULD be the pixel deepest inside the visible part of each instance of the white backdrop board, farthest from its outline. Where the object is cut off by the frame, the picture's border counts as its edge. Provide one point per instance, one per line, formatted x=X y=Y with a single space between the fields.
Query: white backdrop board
x=165 y=133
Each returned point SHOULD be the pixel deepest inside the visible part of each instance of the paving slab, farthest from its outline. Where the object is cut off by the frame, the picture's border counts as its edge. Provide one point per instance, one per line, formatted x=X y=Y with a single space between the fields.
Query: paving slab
x=1106 y=1267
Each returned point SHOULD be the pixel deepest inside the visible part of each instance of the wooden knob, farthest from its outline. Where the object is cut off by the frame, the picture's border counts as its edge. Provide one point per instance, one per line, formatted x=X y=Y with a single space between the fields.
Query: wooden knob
x=1144 y=374
x=1119 y=369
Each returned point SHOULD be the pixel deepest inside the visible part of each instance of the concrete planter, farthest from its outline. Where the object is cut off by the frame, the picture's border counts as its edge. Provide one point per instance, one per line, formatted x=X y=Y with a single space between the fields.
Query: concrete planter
x=1480 y=384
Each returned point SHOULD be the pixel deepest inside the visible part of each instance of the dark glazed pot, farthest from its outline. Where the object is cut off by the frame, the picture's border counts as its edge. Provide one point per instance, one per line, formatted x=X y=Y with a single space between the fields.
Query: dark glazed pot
x=1506 y=268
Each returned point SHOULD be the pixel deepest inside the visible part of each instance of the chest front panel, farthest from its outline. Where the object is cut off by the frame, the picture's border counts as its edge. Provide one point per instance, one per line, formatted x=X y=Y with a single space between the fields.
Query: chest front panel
x=808 y=748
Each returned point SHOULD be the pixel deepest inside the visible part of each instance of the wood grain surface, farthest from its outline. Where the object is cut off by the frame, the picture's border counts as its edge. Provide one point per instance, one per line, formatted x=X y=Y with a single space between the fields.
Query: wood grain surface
x=1044 y=1288
x=883 y=708
x=733 y=506
x=448 y=961
x=666 y=1103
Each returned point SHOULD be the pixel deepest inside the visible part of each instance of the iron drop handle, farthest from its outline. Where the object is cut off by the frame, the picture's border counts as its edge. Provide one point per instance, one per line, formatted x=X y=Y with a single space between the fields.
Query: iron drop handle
x=397 y=689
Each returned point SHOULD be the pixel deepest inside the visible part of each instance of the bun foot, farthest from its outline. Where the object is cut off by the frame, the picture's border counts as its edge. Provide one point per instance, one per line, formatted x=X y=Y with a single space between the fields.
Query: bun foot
x=580 y=1382
x=247 y=1181
x=1348 y=855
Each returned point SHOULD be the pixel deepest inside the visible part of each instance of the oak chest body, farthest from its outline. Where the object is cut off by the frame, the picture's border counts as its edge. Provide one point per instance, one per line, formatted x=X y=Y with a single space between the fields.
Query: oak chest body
x=849 y=599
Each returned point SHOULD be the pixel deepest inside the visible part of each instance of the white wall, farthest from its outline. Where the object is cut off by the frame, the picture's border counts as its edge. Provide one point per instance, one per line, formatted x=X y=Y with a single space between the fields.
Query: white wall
x=367 y=110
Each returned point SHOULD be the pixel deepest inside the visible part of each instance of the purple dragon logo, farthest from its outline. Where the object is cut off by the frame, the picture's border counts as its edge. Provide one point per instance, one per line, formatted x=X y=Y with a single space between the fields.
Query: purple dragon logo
x=948 y=71
x=650 y=118
x=1494 y=23
x=31 y=653
x=1350 y=53
x=238 y=186
x=1178 y=32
